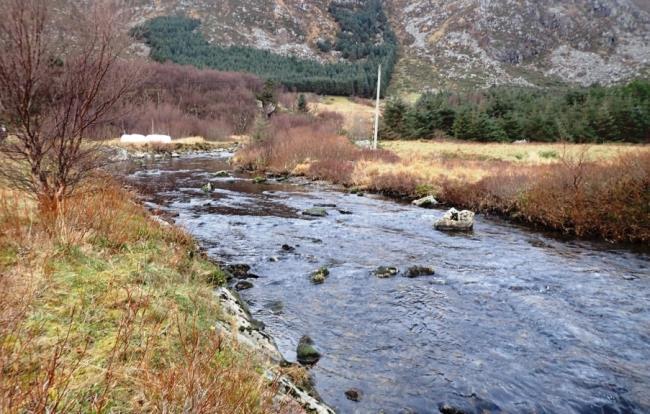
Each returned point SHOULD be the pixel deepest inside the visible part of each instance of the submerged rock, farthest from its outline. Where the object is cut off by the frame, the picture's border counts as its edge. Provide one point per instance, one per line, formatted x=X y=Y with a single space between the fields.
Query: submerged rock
x=306 y=353
x=222 y=173
x=416 y=271
x=353 y=394
x=325 y=205
x=315 y=212
x=426 y=202
x=320 y=275
x=385 y=272
x=455 y=220
x=344 y=211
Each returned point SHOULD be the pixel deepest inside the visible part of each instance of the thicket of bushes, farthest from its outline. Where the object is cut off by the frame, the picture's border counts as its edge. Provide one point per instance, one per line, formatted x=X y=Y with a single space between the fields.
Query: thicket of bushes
x=177 y=39
x=594 y=114
x=184 y=101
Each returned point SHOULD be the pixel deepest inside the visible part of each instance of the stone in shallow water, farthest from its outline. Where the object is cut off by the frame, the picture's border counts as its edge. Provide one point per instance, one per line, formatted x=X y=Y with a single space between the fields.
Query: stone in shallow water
x=239 y=271
x=287 y=248
x=243 y=285
x=306 y=353
x=315 y=212
x=329 y=205
x=426 y=202
x=353 y=394
x=222 y=173
x=207 y=188
x=259 y=180
x=320 y=275
x=416 y=271
x=455 y=220
x=384 y=272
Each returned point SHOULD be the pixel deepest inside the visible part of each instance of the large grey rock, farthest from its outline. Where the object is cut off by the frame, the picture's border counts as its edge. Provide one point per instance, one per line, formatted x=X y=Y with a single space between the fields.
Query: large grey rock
x=455 y=220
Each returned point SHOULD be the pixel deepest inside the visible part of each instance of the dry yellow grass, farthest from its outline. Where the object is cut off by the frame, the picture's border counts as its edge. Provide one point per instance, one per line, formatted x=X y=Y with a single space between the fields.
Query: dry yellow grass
x=356 y=116
x=533 y=153
x=189 y=141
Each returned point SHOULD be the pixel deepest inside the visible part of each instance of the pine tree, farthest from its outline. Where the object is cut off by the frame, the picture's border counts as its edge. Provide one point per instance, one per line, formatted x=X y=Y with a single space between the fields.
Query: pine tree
x=302 y=103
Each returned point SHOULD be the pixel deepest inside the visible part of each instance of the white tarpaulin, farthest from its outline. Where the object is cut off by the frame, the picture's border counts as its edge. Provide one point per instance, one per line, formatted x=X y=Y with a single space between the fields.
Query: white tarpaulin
x=141 y=139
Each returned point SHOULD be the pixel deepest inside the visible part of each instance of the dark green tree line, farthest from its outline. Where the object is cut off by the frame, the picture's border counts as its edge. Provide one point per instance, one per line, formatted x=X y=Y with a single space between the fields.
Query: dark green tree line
x=177 y=39
x=501 y=114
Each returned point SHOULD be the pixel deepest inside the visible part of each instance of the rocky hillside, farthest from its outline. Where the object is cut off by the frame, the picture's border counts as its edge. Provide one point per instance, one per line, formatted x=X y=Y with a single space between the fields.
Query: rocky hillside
x=485 y=42
x=448 y=43
x=290 y=27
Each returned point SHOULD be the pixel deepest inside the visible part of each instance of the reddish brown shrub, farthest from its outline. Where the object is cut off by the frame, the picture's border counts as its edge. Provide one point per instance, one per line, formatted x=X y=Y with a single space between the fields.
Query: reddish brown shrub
x=185 y=101
x=609 y=200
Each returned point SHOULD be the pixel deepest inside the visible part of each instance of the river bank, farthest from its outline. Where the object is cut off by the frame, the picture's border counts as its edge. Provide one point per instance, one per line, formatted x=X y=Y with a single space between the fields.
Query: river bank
x=511 y=320
x=108 y=308
x=598 y=192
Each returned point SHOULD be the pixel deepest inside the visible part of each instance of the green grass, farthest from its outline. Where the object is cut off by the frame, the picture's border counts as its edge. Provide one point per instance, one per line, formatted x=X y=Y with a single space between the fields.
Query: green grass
x=124 y=311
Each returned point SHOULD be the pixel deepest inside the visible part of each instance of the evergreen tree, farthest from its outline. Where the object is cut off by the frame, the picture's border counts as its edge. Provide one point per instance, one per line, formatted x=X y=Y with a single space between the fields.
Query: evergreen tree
x=302 y=103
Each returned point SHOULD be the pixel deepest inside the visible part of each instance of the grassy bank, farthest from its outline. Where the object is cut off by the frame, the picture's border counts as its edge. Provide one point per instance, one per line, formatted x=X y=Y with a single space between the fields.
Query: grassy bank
x=588 y=191
x=106 y=310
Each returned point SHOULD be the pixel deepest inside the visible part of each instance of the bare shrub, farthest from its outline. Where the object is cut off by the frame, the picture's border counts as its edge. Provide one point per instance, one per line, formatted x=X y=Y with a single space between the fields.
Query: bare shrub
x=53 y=91
x=184 y=101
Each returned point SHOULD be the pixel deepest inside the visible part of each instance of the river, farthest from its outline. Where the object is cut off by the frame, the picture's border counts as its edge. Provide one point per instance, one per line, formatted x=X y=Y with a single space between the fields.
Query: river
x=513 y=320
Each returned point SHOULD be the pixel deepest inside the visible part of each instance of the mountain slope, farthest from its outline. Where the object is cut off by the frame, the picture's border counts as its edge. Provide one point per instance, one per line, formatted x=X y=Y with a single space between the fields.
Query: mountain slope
x=446 y=43
x=484 y=42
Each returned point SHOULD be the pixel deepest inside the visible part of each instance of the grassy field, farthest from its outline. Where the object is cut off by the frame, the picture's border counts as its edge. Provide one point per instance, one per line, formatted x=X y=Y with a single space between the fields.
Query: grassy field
x=358 y=115
x=530 y=154
x=106 y=310
x=599 y=191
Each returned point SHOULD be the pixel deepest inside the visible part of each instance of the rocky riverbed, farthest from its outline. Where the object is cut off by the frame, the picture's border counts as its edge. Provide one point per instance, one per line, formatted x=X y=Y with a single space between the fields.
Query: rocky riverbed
x=499 y=319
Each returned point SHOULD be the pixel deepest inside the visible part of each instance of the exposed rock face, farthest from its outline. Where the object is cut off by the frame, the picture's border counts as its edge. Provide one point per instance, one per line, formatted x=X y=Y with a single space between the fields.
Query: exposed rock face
x=445 y=43
x=455 y=220
x=485 y=42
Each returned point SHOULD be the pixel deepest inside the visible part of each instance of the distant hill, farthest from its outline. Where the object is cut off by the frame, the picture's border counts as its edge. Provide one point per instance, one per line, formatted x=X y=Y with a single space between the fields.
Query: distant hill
x=445 y=43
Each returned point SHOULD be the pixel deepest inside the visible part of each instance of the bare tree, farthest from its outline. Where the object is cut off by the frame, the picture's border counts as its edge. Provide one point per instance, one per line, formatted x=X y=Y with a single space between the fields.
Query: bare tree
x=56 y=82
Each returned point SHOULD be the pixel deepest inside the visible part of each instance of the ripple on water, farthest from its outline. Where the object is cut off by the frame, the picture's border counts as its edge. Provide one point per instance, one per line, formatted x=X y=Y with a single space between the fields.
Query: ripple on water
x=512 y=321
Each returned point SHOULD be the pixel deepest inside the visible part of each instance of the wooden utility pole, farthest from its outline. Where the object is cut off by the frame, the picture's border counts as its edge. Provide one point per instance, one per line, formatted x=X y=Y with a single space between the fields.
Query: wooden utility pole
x=374 y=143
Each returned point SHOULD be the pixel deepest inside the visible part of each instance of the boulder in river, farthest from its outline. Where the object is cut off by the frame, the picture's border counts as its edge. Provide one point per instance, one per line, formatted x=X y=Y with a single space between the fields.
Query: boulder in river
x=243 y=285
x=330 y=205
x=238 y=271
x=318 y=277
x=416 y=271
x=353 y=394
x=287 y=248
x=315 y=212
x=455 y=220
x=259 y=180
x=385 y=272
x=345 y=212
x=306 y=353
x=222 y=173
x=426 y=202
x=207 y=188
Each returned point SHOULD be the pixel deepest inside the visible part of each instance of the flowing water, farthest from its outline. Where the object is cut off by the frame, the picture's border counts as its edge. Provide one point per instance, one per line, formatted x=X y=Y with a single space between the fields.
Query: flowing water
x=512 y=321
